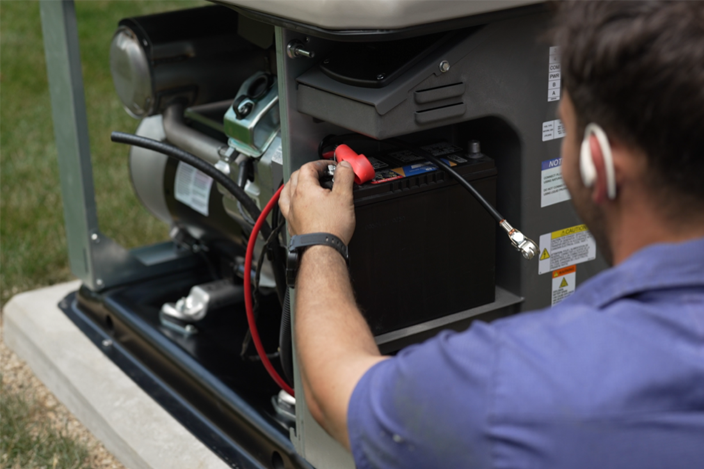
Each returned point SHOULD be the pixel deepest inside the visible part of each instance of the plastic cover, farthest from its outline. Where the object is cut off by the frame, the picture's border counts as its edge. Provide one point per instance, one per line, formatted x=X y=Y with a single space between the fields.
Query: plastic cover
x=374 y=14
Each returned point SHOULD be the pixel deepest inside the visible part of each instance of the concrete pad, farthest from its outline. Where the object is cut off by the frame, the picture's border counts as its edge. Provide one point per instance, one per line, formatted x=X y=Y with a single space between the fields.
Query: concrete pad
x=139 y=432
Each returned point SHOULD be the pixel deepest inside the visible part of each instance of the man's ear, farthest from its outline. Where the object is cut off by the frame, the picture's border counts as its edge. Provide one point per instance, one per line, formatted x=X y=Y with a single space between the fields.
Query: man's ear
x=599 y=189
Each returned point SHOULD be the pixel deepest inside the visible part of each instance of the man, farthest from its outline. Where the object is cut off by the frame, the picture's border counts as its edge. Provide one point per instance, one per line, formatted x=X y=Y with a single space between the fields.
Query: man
x=613 y=377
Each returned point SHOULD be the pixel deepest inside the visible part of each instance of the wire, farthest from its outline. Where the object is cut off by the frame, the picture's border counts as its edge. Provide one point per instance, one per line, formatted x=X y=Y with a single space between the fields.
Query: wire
x=257 y=277
x=455 y=175
x=248 y=296
x=207 y=168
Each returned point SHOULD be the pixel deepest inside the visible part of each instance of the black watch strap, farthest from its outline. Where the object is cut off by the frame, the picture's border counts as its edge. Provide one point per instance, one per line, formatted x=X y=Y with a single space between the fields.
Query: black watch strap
x=300 y=242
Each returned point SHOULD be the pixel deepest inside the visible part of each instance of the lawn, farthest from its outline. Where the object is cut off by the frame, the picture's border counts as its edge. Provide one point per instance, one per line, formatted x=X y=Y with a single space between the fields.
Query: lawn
x=33 y=249
x=32 y=237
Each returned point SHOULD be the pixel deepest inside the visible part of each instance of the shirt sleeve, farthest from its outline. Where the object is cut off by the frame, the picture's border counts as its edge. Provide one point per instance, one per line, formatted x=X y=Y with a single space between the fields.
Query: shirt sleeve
x=429 y=406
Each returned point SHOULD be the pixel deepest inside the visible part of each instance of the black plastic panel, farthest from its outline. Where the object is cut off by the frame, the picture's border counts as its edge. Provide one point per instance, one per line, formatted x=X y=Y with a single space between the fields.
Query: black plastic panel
x=199 y=379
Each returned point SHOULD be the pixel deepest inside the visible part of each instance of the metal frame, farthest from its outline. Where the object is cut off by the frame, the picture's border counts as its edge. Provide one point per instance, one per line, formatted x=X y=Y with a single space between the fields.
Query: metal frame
x=98 y=261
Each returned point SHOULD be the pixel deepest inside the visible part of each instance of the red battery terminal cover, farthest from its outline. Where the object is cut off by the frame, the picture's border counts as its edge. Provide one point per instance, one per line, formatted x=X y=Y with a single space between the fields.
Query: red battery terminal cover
x=363 y=169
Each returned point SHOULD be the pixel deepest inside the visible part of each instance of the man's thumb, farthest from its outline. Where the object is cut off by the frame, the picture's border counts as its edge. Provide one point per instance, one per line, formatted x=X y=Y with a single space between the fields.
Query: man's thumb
x=344 y=178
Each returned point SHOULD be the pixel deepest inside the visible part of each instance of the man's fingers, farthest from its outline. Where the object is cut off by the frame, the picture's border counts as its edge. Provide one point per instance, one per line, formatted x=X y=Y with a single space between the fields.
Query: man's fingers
x=311 y=172
x=285 y=199
x=344 y=179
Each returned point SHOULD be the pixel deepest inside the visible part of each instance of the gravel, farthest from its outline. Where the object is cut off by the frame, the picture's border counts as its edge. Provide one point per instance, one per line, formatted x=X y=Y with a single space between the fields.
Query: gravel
x=17 y=378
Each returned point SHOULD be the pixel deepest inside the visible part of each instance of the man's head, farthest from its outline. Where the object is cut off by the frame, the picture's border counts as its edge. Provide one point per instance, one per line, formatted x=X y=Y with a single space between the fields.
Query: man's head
x=637 y=70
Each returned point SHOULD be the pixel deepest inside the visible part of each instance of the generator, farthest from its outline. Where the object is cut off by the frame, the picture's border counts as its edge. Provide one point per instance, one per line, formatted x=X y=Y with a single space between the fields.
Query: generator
x=462 y=214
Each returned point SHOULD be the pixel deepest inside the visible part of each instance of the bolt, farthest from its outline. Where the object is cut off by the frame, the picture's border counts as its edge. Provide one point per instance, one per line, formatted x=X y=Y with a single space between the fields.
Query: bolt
x=190 y=328
x=295 y=49
x=444 y=66
x=107 y=343
x=326 y=61
x=99 y=282
x=380 y=76
x=245 y=108
x=95 y=238
x=226 y=153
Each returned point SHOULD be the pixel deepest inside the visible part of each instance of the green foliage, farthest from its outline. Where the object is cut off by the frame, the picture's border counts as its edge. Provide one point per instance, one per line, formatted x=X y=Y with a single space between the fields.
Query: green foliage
x=33 y=249
x=28 y=441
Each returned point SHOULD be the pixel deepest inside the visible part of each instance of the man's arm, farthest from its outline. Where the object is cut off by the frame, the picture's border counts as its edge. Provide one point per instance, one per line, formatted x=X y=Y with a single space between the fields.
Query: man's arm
x=335 y=346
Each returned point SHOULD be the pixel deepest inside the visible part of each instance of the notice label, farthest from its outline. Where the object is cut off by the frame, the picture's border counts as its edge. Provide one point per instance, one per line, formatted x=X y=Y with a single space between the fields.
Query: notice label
x=192 y=187
x=564 y=282
x=552 y=187
x=554 y=74
x=563 y=248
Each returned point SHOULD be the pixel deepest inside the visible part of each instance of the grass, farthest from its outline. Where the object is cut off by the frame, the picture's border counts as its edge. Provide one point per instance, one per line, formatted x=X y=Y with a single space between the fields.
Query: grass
x=33 y=249
x=28 y=440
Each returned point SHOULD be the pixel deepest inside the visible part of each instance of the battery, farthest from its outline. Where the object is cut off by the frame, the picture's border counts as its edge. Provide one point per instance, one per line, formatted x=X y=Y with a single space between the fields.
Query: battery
x=423 y=246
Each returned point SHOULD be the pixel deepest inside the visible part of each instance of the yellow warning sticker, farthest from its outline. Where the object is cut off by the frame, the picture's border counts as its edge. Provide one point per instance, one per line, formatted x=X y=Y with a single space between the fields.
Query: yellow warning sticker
x=564 y=282
x=569 y=231
x=565 y=247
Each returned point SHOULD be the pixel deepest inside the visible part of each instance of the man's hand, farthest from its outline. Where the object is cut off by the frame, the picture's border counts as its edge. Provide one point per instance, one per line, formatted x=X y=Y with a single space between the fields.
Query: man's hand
x=334 y=345
x=310 y=208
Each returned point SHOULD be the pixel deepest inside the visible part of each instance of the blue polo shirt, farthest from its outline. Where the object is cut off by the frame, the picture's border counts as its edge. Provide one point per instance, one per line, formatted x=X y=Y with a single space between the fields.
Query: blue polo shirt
x=613 y=377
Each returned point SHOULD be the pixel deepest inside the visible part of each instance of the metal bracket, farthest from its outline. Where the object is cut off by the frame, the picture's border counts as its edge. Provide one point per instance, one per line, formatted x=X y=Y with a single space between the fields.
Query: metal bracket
x=95 y=259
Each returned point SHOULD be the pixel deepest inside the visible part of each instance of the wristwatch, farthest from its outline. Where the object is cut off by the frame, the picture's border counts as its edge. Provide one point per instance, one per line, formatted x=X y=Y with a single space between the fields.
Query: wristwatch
x=298 y=244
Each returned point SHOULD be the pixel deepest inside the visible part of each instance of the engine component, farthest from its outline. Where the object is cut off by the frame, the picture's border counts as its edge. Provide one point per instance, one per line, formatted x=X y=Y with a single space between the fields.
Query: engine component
x=253 y=120
x=195 y=55
x=201 y=298
x=187 y=138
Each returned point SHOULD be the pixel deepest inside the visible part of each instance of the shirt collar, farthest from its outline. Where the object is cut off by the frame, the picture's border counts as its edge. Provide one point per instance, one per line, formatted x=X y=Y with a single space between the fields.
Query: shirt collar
x=657 y=266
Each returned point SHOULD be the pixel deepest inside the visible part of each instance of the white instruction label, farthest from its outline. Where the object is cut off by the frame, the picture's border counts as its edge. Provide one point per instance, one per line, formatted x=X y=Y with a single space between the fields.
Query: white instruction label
x=553 y=129
x=554 y=74
x=192 y=187
x=564 y=282
x=552 y=187
x=563 y=248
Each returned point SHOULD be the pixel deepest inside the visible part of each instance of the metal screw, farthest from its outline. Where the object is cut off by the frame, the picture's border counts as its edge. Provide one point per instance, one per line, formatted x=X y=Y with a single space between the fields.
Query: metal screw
x=107 y=343
x=226 y=153
x=380 y=76
x=444 y=66
x=190 y=328
x=99 y=282
x=295 y=49
x=95 y=238
x=245 y=108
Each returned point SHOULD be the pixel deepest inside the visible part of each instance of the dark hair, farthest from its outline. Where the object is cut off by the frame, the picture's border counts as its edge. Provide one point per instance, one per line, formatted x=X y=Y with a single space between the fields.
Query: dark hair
x=637 y=69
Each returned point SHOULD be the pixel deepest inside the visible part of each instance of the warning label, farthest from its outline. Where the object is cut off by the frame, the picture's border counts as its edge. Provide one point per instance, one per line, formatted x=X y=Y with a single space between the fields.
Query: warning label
x=552 y=187
x=564 y=282
x=192 y=187
x=563 y=248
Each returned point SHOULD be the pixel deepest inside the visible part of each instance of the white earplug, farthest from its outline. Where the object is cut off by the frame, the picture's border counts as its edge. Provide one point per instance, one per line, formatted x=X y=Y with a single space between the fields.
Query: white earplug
x=586 y=160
